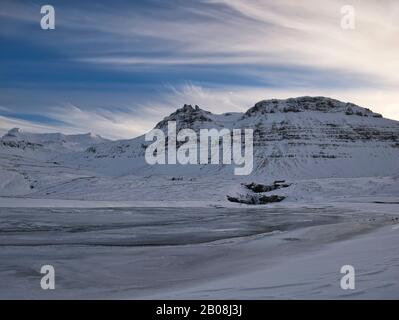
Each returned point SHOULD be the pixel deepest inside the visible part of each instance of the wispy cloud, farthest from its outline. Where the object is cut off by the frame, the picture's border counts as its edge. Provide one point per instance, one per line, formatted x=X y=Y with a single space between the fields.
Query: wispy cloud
x=7 y=123
x=117 y=69
x=259 y=32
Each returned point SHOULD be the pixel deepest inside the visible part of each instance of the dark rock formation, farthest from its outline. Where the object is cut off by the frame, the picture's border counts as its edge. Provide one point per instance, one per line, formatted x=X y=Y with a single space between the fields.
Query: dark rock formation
x=259 y=188
x=256 y=199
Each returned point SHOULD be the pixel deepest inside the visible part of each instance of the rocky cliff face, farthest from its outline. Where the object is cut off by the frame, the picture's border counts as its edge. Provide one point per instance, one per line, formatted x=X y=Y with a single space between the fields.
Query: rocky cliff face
x=186 y=117
x=302 y=104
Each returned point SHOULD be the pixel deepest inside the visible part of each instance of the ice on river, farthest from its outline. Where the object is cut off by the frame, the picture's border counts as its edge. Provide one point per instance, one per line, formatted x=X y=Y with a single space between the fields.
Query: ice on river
x=201 y=253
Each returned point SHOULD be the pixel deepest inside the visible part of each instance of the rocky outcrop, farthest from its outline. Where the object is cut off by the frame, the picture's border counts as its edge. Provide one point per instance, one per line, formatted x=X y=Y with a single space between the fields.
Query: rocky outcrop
x=256 y=199
x=255 y=194
x=260 y=188
x=302 y=104
x=186 y=117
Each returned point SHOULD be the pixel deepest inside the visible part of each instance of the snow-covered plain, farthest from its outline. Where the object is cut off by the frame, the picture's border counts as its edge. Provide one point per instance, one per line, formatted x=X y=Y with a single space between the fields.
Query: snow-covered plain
x=115 y=227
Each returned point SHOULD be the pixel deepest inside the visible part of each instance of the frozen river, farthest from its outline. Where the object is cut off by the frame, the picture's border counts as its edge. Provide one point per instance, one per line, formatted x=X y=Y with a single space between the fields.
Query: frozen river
x=142 y=227
x=159 y=252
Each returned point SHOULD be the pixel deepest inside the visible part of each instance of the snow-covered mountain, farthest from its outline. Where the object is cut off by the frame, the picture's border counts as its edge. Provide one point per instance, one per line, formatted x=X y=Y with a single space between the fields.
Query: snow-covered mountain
x=297 y=139
x=17 y=138
x=28 y=160
x=305 y=137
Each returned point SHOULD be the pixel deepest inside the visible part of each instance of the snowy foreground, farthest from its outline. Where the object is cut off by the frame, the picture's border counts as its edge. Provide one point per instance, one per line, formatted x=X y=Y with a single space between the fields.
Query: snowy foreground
x=282 y=251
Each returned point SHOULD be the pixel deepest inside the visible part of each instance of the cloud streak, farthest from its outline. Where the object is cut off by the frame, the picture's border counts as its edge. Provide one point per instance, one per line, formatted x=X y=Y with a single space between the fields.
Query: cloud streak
x=258 y=32
x=117 y=69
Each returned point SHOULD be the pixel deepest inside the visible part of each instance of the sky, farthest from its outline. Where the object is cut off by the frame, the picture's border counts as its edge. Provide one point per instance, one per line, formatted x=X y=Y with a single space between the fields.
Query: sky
x=116 y=68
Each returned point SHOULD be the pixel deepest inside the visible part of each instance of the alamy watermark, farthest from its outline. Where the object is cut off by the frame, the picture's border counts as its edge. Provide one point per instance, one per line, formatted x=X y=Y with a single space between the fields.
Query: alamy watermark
x=348 y=280
x=205 y=149
x=47 y=282
x=47 y=21
x=348 y=20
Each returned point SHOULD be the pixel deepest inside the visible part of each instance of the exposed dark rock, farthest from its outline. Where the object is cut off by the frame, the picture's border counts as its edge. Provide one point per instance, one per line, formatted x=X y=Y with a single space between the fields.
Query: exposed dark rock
x=21 y=144
x=91 y=150
x=185 y=117
x=259 y=188
x=255 y=199
x=270 y=199
x=301 y=104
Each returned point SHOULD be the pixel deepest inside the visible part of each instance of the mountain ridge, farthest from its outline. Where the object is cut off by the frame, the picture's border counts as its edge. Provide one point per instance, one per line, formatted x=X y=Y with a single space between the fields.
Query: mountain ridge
x=303 y=139
x=289 y=141
x=58 y=142
x=292 y=137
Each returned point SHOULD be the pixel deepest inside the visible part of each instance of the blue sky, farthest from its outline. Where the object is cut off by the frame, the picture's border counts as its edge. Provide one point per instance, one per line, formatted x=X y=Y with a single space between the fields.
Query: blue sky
x=116 y=68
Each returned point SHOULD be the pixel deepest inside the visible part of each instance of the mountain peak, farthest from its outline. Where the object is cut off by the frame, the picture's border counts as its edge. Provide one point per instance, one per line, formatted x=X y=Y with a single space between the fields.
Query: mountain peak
x=189 y=109
x=14 y=131
x=308 y=103
x=186 y=117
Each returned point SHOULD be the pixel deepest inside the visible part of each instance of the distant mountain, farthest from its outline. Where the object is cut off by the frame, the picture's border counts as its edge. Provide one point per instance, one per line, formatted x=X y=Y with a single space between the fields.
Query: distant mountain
x=58 y=142
x=305 y=137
